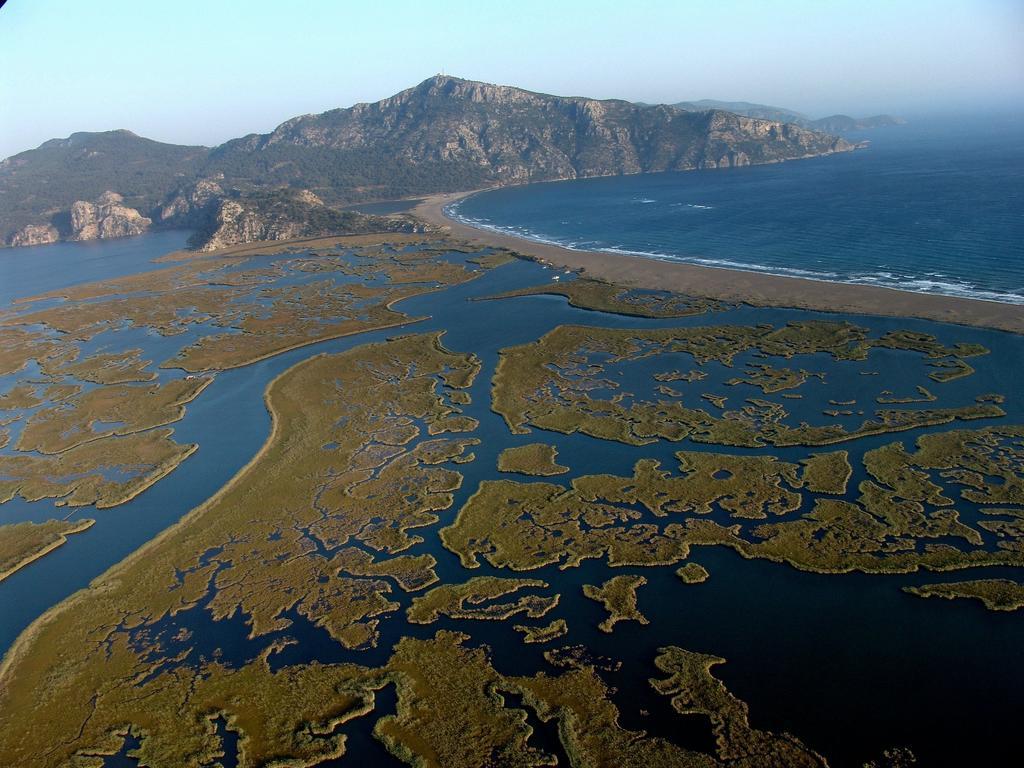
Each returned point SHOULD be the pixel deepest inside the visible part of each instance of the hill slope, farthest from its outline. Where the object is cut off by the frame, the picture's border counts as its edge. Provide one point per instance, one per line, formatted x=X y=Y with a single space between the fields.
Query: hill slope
x=43 y=183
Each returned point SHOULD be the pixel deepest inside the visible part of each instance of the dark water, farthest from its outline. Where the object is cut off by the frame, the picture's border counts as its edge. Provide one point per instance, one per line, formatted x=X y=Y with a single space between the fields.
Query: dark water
x=850 y=664
x=932 y=207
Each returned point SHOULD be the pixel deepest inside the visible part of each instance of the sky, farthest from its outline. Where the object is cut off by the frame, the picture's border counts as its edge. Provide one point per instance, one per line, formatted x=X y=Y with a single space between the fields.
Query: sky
x=204 y=71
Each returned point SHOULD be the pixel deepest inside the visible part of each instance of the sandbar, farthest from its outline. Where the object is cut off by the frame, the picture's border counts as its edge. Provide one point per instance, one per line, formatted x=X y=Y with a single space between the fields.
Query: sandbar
x=753 y=288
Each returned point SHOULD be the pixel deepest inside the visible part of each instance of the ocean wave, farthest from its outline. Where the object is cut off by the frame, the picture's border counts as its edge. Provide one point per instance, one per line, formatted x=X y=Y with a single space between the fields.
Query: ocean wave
x=946 y=286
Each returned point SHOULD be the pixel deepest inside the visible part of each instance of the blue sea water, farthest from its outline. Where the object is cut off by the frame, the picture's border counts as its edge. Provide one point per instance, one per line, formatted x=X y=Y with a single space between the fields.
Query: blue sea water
x=933 y=206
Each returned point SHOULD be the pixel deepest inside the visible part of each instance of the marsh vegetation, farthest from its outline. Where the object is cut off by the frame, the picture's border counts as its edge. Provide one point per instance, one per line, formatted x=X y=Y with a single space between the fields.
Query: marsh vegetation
x=366 y=555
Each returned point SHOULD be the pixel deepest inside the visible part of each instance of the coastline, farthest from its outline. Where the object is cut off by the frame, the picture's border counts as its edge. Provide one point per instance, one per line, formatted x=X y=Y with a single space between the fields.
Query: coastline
x=754 y=288
x=62 y=539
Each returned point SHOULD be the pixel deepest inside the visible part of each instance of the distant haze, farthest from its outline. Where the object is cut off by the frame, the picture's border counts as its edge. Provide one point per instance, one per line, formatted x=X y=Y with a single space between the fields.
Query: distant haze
x=200 y=72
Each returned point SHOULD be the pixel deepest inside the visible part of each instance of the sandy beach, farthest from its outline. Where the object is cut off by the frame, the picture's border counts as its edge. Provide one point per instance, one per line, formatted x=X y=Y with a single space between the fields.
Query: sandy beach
x=734 y=285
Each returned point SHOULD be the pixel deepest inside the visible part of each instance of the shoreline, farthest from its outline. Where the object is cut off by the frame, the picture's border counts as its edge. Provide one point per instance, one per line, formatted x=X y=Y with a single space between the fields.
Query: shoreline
x=754 y=288
x=62 y=539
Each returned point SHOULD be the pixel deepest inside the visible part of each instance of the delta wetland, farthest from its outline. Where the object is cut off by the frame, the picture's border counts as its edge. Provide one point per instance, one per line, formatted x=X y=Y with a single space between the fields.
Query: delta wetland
x=346 y=504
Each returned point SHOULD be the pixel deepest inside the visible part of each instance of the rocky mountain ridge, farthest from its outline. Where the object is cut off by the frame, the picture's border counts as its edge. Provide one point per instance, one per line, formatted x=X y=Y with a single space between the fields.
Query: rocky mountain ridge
x=287 y=215
x=442 y=135
x=844 y=123
x=520 y=136
x=830 y=124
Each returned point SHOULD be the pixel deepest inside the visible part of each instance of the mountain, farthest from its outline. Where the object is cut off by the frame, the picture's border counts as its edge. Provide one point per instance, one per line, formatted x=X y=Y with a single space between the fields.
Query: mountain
x=845 y=123
x=442 y=135
x=480 y=133
x=831 y=124
x=41 y=185
x=745 y=108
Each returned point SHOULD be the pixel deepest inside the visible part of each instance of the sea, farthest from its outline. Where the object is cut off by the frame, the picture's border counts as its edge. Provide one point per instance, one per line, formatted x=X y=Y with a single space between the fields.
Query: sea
x=934 y=206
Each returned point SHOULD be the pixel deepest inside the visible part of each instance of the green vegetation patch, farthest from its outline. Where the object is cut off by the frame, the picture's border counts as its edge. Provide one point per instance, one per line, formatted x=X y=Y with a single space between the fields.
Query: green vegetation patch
x=693 y=573
x=607 y=297
x=618 y=596
x=273 y=541
x=676 y=375
x=473 y=600
x=105 y=472
x=534 y=634
x=996 y=594
x=497 y=258
x=922 y=396
x=108 y=368
x=900 y=520
x=555 y=384
x=827 y=472
x=120 y=409
x=20 y=396
x=769 y=379
x=531 y=459
x=22 y=543
x=695 y=691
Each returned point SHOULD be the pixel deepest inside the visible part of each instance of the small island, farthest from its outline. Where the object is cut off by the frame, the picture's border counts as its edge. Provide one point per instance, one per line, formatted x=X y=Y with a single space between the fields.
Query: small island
x=618 y=596
x=693 y=573
x=545 y=634
x=996 y=594
x=532 y=459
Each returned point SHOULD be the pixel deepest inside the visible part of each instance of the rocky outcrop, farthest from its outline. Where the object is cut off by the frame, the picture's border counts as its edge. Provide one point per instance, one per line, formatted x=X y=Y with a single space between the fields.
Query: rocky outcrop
x=34 y=234
x=286 y=215
x=106 y=218
x=191 y=206
x=235 y=223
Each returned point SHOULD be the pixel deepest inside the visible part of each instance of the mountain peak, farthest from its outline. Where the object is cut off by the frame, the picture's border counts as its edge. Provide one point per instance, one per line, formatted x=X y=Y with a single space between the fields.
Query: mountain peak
x=443 y=79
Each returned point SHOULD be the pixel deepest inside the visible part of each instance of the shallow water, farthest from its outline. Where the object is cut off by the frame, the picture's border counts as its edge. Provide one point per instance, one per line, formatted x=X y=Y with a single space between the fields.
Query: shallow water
x=849 y=664
x=934 y=207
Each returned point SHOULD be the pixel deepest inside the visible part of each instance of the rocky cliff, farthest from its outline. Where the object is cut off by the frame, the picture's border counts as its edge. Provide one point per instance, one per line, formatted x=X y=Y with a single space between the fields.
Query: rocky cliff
x=35 y=234
x=106 y=218
x=504 y=134
x=286 y=215
x=192 y=205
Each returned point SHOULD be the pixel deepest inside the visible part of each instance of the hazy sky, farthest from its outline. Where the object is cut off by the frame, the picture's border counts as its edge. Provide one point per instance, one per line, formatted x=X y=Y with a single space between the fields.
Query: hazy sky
x=203 y=71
